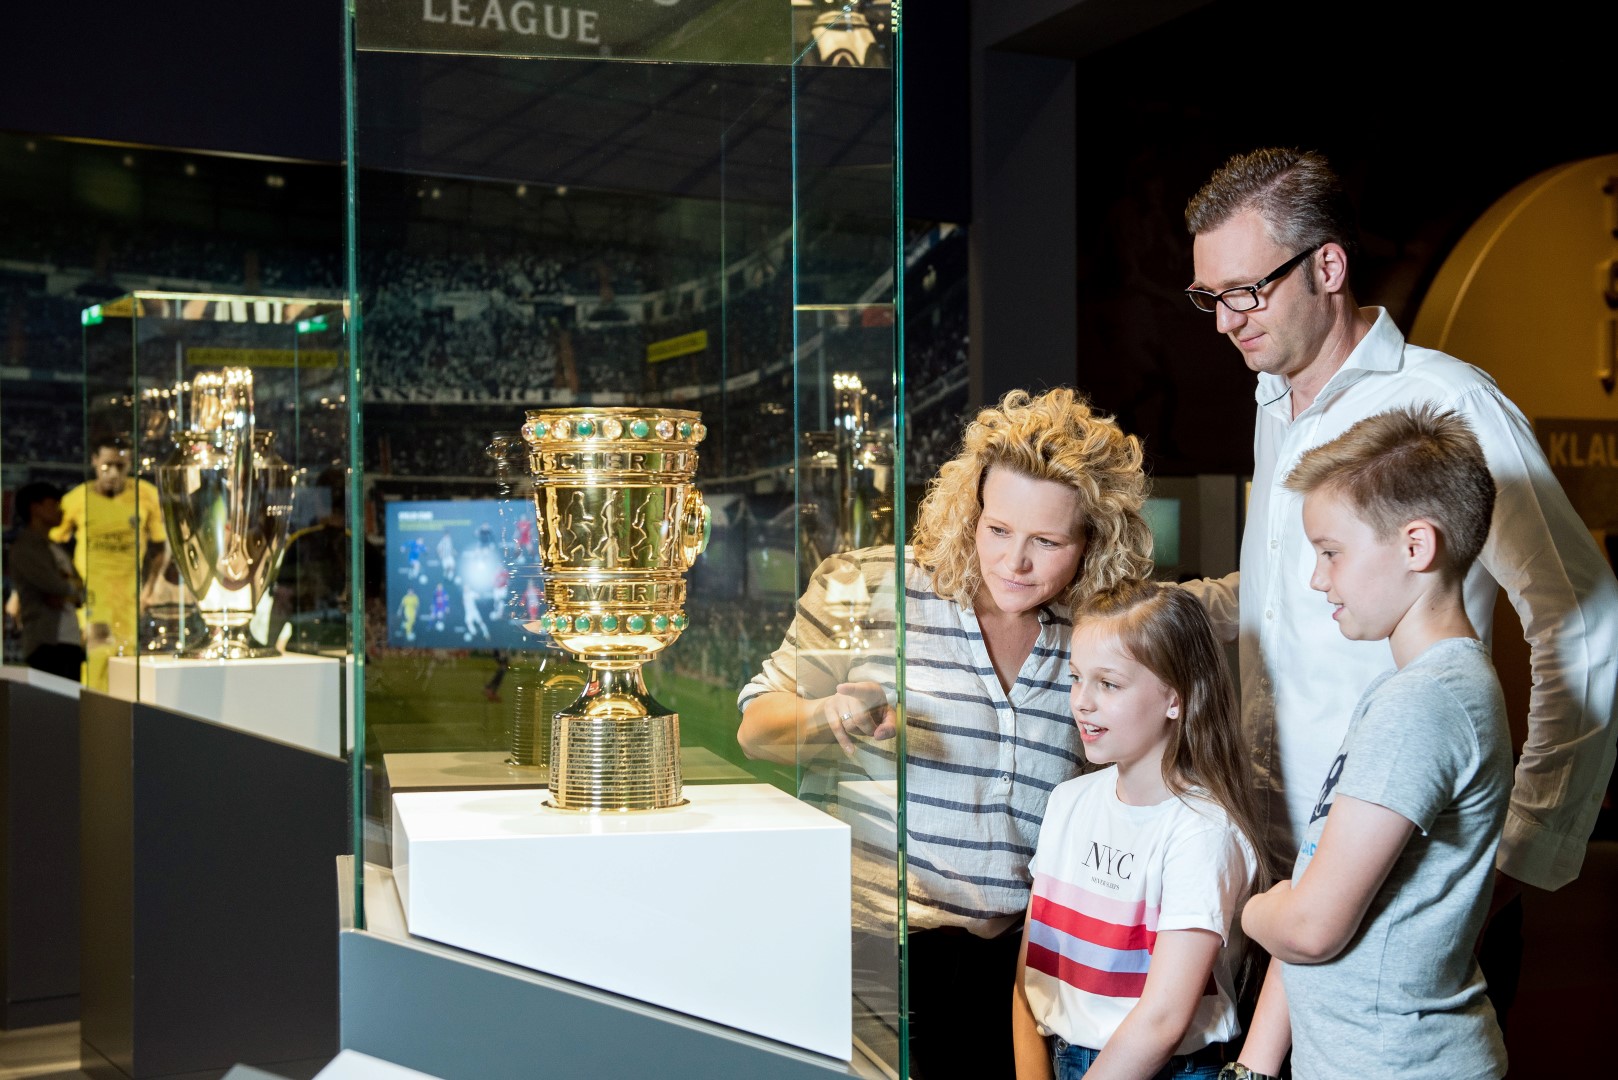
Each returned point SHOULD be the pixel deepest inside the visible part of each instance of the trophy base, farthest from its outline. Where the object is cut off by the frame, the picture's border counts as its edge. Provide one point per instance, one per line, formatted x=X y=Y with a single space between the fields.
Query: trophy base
x=228 y=643
x=615 y=763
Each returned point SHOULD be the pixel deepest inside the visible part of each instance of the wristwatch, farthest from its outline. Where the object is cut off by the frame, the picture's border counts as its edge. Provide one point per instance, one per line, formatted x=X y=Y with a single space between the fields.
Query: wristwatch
x=1235 y=1070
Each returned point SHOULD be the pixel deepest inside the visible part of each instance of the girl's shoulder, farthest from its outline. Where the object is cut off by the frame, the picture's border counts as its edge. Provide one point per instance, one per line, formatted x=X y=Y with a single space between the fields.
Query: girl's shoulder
x=1199 y=809
x=1078 y=787
x=1199 y=814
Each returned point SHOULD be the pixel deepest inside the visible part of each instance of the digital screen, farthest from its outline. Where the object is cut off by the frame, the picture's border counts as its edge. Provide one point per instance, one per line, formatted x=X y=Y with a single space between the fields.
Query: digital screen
x=463 y=574
x=1163 y=515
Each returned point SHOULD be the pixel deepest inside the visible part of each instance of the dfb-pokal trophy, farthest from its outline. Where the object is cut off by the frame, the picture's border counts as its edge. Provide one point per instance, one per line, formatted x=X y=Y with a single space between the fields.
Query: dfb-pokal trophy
x=227 y=506
x=620 y=522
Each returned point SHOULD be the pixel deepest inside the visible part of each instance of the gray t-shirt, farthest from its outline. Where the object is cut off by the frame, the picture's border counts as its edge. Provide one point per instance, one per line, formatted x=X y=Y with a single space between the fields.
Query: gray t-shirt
x=1405 y=997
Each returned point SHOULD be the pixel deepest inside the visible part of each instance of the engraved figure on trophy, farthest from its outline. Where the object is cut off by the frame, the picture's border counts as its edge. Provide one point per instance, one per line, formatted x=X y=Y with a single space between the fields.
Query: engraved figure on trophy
x=616 y=747
x=227 y=503
x=544 y=679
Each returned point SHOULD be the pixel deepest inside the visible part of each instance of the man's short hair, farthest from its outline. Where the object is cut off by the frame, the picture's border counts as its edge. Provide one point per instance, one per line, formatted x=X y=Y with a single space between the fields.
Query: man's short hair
x=109 y=441
x=1404 y=464
x=30 y=495
x=1296 y=192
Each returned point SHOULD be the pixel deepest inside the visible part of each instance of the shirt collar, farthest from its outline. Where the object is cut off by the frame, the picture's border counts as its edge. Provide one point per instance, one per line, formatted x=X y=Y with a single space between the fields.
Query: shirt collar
x=1381 y=349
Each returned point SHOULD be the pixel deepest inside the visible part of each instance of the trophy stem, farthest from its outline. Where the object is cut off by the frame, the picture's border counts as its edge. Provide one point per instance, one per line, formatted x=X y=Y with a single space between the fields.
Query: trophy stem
x=615 y=748
x=228 y=643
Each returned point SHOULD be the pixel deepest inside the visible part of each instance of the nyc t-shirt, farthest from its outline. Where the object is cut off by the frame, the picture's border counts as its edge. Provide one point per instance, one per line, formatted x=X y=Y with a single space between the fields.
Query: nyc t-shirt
x=1405 y=997
x=1108 y=878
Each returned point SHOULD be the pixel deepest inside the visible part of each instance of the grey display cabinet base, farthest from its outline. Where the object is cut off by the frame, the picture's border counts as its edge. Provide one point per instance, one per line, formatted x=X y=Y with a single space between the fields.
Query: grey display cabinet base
x=209 y=921
x=461 y=1016
x=39 y=855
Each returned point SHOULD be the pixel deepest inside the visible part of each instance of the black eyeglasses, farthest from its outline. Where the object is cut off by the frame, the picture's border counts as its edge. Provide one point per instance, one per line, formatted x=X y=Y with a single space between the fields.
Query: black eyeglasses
x=1245 y=297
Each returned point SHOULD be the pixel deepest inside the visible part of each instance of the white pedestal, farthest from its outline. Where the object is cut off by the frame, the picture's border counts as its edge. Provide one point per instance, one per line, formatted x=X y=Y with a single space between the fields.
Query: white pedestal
x=734 y=908
x=353 y=1065
x=295 y=698
x=42 y=679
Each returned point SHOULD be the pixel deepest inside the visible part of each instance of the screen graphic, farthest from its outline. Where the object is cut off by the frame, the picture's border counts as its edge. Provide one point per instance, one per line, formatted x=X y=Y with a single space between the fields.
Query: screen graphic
x=463 y=574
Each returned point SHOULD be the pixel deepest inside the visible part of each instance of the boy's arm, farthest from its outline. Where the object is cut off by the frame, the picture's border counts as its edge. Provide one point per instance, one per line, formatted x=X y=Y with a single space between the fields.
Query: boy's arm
x=1032 y=1056
x=1312 y=922
x=1182 y=961
x=1270 y=1036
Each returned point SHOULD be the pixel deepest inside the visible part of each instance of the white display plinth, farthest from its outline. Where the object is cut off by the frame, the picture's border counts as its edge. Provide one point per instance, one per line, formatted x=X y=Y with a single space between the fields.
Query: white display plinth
x=353 y=1065
x=295 y=698
x=42 y=679
x=733 y=908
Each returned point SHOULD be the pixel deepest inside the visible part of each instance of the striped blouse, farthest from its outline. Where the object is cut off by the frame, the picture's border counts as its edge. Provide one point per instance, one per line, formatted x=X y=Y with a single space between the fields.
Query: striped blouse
x=980 y=762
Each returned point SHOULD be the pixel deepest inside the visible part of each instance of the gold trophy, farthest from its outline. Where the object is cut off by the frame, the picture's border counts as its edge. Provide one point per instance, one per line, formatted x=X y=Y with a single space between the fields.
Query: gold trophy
x=227 y=506
x=620 y=523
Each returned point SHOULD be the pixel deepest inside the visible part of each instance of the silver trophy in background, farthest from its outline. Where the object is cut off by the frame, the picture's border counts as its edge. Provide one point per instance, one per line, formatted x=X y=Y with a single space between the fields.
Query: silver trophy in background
x=227 y=506
x=620 y=522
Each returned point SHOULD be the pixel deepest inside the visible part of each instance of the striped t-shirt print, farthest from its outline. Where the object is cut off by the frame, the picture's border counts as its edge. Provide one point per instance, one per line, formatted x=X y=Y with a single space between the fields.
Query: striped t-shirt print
x=1092 y=942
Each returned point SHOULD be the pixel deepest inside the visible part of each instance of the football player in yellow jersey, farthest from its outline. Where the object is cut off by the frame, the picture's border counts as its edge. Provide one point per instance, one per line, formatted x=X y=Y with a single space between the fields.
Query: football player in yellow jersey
x=119 y=550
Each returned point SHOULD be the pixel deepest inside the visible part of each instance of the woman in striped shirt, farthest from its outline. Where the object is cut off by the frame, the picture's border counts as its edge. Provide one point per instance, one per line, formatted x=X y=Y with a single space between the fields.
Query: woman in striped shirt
x=1039 y=509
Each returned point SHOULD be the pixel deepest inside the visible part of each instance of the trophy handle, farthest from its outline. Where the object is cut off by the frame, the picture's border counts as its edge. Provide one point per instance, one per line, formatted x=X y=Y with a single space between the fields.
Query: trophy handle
x=238 y=425
x=696 y=526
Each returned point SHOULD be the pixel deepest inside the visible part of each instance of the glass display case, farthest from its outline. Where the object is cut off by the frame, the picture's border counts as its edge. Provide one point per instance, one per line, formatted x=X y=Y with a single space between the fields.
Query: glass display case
x=210 y=533
x=627 y=378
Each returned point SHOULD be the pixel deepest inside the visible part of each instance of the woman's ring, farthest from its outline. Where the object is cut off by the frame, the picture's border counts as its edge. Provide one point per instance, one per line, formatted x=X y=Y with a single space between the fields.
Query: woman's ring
x=847 y=718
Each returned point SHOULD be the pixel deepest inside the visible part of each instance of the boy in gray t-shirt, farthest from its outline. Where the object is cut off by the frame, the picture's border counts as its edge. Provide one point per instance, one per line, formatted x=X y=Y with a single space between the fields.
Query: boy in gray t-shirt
x=1373 y=937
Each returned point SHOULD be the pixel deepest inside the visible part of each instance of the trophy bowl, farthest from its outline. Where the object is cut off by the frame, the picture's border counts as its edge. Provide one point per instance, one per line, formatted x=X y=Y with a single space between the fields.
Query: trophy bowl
x=227 y=501
x=620 y=523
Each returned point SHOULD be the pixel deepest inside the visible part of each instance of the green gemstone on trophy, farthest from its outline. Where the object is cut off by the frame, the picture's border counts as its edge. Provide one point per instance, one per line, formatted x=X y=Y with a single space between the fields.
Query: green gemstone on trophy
x=541 y=430
x=679 y=622
x=660 y=623
x=637 y=624
x=581 y=624
x=639 y=428
x=560 y=622
x=685 y=429
x=586 y=428
x=609 y=622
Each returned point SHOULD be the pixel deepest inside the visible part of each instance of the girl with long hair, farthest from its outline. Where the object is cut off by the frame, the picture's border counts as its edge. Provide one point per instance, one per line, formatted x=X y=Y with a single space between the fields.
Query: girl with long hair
x=1131 y=950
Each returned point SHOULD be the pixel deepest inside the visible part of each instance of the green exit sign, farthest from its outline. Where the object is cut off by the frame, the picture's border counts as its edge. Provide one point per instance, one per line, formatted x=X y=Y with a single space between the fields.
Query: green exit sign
x=312 y=326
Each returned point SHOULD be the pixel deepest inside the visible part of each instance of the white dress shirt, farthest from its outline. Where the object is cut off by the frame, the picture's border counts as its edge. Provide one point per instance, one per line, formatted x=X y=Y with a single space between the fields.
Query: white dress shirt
x=1301 y=678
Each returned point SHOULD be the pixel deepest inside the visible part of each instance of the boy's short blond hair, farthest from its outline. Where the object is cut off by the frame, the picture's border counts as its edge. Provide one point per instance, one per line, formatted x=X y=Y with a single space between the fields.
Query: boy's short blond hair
x=1403 y=464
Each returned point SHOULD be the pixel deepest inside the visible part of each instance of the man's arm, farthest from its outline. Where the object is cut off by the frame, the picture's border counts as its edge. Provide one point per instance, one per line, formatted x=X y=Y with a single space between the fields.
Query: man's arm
x=1566 y=598
x=1313 y=921
x=35 y=567
x=1220 y=597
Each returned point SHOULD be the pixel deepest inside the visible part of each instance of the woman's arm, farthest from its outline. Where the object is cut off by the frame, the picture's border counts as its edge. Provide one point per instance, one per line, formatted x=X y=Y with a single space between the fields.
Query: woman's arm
x=1182 y=961
x=1033 y=1055
x=778 y=725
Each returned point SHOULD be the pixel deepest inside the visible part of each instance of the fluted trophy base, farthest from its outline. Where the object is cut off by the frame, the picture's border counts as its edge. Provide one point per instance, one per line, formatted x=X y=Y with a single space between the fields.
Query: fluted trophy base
x=228 y=643
x=615 y=749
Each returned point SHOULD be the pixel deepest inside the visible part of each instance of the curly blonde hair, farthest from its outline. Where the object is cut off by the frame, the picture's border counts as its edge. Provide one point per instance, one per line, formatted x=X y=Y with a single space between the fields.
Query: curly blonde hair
x=1055 y=436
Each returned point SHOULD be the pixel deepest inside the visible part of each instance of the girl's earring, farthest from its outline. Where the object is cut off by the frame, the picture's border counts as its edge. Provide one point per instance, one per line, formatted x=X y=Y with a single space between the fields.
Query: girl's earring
x=1174 y=712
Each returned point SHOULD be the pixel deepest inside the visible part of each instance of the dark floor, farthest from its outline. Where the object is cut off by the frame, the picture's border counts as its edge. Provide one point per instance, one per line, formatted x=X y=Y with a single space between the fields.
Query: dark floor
x=1559 y=1026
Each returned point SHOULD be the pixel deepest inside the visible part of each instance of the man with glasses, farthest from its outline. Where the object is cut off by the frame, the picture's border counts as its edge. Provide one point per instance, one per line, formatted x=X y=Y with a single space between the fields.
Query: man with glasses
x=119 y=551
x=1273 y=235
